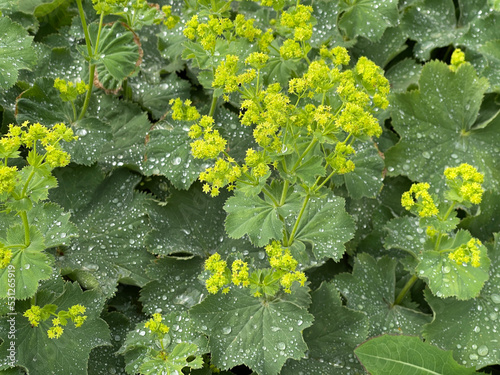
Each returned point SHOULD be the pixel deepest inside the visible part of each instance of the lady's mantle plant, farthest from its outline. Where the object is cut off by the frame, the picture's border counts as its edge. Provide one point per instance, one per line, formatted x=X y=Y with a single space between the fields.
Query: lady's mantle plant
x=277 y=187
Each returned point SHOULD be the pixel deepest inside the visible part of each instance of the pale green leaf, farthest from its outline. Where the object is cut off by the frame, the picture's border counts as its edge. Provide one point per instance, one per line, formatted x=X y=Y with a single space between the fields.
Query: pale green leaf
x=243 y=330
x=331 y=339
x=470 y=328
x=28 y=265
x=325 y=226
x=395 y=355
x=16 y=52
x=371 y=289
x=117 y=54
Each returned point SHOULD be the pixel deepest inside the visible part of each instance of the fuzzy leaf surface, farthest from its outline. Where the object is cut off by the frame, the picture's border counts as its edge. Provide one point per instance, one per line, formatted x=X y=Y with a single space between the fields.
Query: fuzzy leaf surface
x=469 y=328
x=72 y=348
x=331 y=339
x=371 y=289
x=436 y=127
x=16 y=52
x=260 y=335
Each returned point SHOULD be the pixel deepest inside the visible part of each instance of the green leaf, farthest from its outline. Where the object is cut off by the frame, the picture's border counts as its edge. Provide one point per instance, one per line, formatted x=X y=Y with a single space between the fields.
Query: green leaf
x=436 y=127
x=432 y=23
x=487 y=220
x=371 y=289
x=325 y=226
x=394 y=355
x=103 y=360
x=404 y=233
x=28 y=265
x=366 y=179
x=326 y=29
x=175 y=286
x=368 y=18
x=41 y=8
x=169 y=154
x=491 y=51
x=129 y=128
x=253 y=216
x=117 y=54
x=180 y=357
x=181 y=343
x=332 y=338
x=469 y=328
x=244 y=330
x=71 y=349
x=93 y=137
x=391 y=44
x=16 y=52
x=447 y=278
x=53 y=223
x=191 y=222
x=403 y=74
x=112 y=227
x=41 y=103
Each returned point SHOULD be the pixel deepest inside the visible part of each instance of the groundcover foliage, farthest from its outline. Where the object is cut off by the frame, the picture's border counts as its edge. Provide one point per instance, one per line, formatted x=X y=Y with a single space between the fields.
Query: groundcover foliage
x=249 y=187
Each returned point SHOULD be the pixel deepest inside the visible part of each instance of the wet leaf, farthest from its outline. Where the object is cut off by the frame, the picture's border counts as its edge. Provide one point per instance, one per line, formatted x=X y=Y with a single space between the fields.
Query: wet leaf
x=394 y=355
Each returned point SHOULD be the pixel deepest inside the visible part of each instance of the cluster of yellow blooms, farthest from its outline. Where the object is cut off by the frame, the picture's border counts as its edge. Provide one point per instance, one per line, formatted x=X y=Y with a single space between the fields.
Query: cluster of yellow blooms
x=469 y=252
x=155 y=325
x=457 y=59
x=206 y=32
x=5 y=256
x=28 y=136
x=183 y=111
x=281 y=261
x=466 y=182
x=219 y=271
x=35 y=315
x=68 y=91
x=212 y=143
x=418 y=196
x=298 y=22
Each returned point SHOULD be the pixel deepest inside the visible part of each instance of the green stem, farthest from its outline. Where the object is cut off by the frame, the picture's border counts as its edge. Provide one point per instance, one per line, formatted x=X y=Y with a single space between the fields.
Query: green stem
x=309 y=147
x=316 y=188
x=297 y=222
x=440 y=235
x=268 y=193
x=213 y=106
x=284 y=193
x=24 y=217
x=89 y=92
x=84 y=25
x=405 y=290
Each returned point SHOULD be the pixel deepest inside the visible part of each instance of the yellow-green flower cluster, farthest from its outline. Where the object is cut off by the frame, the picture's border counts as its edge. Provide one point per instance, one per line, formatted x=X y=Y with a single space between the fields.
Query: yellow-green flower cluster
x=155 y=325
x=468 y=253
x=338 y=55
x=28 y=135
x=5 y=256
x=183 y=111
x=356 y=121
x=298 y=19
x=219 y=277
x=212 y=143
x=225 y=75
x=457 y=59
x=35 y=315
x=373 y=80
x=68 y=91
x=281 y=260
x=418 y=196
x=339 y=161
x=256 y=161
x=208 y=32
x=108 y=6
x=257 y=60
x=7 y=179
x=169 y=19
x=245 y=28
x=466 y=182
x=224 y=172
x=239 y=273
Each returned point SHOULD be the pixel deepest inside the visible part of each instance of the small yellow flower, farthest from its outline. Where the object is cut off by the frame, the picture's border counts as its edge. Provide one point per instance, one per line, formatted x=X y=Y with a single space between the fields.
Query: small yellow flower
x=34 y=315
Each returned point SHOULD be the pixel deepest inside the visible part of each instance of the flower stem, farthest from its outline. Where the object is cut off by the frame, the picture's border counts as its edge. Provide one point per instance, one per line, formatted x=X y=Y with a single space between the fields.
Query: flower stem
x=405 y=290
x=213 y=106
x=297 y=222
x=24 y=217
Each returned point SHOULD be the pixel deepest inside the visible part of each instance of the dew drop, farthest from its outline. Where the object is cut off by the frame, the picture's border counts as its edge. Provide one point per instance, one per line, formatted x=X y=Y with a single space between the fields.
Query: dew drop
x=281 y=346
x=482 y=350
x=226 y=330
